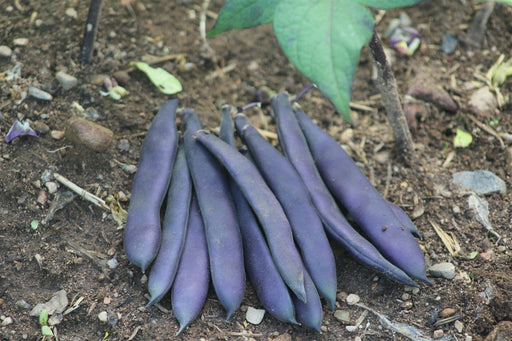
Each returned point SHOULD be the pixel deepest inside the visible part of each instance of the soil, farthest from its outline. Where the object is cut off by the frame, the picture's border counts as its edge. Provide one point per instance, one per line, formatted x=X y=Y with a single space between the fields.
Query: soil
x=70 y=251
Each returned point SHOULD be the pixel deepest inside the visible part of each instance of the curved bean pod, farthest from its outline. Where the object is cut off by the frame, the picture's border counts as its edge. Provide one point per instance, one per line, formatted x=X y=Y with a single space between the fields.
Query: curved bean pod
x=372 y=213
x=266 y=207
x=262 y=272
x=297 y=151
x=309 y=314
x=143 y=230
x=190 y=286
x=291 y=192
x=174 y=229
x=260 y=267
x=405 y=220
x=219 y=216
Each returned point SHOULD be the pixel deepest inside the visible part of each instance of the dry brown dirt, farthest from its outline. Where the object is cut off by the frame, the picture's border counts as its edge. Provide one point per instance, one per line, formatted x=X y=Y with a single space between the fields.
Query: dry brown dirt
x=246 y=61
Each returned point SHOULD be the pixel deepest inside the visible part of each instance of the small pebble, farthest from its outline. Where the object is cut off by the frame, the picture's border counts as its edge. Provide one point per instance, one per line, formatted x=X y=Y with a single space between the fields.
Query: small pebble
x=57 y=134
x=124 y=145
x=459 y=326
x=103 y=316
x=89 y=134
x=439 y=333
x=23 y=304
x=71 y=12
x=42 y=198
x=40 y=127
x=39 y=94
x=5 y=51
x=20 y=42
x=382 y=157
x=55 y=319
x=51 y=186
x=406 y=297
x=483 y=103
x=254 y=316
x=66 y=81
x=112 y=263
x=352 y=299
x=415 y=291
x=447 y=312
x=351 y=329
x=7 y=321
x=407 y=305
x=342 y=316
x=468 y=338
x=443 y=270
x=130 y=169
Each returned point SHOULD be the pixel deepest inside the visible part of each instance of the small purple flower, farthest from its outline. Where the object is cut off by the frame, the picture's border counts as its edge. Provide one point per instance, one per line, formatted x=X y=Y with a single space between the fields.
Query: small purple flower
x=405 y=40
x=19 y=129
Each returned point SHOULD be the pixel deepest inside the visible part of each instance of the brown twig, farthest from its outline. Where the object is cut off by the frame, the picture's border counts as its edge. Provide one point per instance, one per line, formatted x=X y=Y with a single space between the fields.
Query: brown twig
x=386 y=84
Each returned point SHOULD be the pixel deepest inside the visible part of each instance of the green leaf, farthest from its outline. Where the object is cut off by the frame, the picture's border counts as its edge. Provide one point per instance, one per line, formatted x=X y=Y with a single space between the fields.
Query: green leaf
x=163 y=80
x=462 y=139
x=323 y=38
x=243 y=14
x=46 y=331
x=387 y=4
x=43 y=317
x=507 y=2
x=34 y=224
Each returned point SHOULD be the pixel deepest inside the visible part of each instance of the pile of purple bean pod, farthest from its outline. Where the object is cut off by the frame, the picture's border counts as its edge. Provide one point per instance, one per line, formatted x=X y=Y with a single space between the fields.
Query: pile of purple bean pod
x=256 y=211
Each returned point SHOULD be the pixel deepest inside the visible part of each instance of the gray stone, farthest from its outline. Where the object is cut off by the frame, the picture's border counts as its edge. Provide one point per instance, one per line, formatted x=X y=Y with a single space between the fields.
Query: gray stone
x=103 y=316
x=352 y=299
x=39 y=94
x=443 y=270
x=5 y=51
x=57 y=304
x=480 y=182
x=254 y=316
x=342 y=316
x=67 y=82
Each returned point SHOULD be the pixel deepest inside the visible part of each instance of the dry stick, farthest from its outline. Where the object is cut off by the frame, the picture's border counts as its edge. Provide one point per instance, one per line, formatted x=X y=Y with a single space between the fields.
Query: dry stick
x=386 y=84
x=82 y=192
x=202 y=30
x=91 y=28
x=476 y=31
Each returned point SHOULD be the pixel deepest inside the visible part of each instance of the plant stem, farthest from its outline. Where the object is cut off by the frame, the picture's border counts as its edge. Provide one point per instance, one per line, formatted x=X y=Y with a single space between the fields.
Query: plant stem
x=386 y=84
x=477 y=30
x=91 y=28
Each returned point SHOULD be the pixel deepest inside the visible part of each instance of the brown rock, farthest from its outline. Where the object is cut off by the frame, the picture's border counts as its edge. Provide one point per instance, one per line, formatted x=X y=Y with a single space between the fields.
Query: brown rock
x=427 y=91
x=40 y=127
x=447 y=312
x=89 y=134
x=483 y=103
x=283 y=337
x=502 y=332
